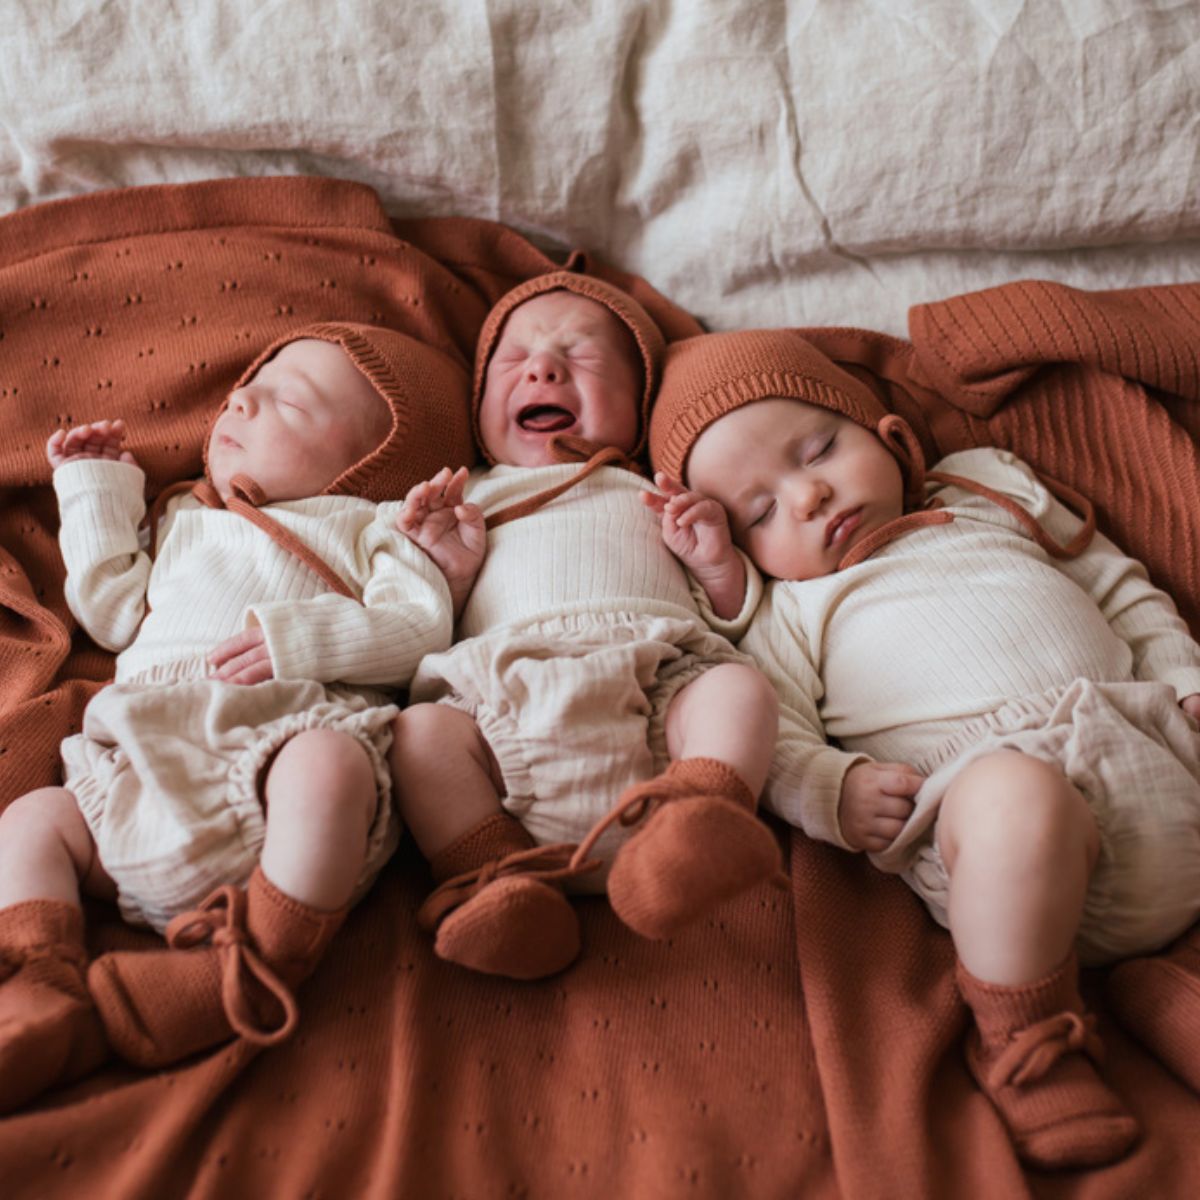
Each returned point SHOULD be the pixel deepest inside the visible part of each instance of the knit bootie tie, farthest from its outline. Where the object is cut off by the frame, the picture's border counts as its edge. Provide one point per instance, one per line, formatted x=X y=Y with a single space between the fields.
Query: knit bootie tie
x=700 y=846
x=1157 y=1000
x=230 y=969
x=49 y=1030
x=1033 y=1051
x=500 y=907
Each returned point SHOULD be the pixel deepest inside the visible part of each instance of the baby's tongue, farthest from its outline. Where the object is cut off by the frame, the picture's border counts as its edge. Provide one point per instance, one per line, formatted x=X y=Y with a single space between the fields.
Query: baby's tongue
x=547 y=420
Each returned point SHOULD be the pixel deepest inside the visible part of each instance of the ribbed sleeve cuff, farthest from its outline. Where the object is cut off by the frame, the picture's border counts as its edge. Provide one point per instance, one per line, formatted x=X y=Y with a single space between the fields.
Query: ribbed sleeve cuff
x=734 y=628
x=85 y=475
x=809 y=795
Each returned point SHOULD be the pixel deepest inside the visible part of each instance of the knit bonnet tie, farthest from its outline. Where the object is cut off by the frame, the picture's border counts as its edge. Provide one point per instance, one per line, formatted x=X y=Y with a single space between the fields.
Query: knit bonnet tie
x=245 y=501
x=220 y=921
x=566 y=448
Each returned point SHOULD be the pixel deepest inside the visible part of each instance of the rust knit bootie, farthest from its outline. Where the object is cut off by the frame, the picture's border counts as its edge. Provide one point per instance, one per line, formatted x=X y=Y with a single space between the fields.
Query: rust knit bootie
x=229 y=970
x=1157 y=999
x=1033 y=1051
x=49 y=1030
x=499 y=907
x=700 y=846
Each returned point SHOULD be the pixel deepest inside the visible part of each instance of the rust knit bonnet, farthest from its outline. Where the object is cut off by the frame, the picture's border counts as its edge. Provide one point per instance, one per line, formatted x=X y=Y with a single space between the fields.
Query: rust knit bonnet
x=646 y=334
x=426 y=391
x=708 y=376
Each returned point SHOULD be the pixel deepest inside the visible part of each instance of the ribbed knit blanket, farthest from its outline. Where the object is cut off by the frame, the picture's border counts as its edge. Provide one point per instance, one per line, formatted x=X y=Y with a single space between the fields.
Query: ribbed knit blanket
x=804 y=1042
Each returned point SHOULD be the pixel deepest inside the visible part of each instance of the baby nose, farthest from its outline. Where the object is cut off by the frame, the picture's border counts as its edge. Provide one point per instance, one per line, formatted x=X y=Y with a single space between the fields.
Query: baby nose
x=545 y=368
x=807 y=495
x=243 y=402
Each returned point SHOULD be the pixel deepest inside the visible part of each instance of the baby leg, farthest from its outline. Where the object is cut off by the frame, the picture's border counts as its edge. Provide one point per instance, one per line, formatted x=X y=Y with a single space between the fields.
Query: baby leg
x=702 y=845
x=1019 y=843
x=499 y=905
x=234 y=963
x=49 y=1030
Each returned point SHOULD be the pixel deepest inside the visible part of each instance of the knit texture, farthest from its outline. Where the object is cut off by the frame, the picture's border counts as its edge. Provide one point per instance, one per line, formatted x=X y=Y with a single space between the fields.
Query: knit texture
x=49 y=1031
x=165 y=1005
x=701 y=845
x=1035 y=1055
x=1157 y=999
x=596 y=549
x=646 y=335
x=147 y=303
x=807 y=1047
x=492 y=839
x=707 y=377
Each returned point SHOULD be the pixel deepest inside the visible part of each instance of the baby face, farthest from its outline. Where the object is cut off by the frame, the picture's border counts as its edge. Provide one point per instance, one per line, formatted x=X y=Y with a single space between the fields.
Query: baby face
x=562 y=364
x=801 y=484
x=303 y=418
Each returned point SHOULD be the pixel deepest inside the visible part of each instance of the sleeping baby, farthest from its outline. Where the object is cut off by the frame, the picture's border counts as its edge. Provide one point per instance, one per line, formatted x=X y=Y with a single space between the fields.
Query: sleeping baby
x=1013 y=704
x=590 y=692
x=231 y=787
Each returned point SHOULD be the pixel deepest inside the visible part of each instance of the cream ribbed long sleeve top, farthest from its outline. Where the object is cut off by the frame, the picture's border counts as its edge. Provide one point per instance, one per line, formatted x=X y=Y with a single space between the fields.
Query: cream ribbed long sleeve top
x=596 y=549
x=215 y=574
x=892 y=656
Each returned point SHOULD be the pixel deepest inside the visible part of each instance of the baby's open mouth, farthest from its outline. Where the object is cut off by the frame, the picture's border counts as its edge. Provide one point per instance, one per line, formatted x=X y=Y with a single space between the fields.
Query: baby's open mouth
x=545 y=418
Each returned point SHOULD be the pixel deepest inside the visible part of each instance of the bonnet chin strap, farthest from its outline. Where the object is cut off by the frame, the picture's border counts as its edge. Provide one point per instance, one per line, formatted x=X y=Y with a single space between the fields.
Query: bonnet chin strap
x=898 y=436
x=566 y=448
x=245 y=501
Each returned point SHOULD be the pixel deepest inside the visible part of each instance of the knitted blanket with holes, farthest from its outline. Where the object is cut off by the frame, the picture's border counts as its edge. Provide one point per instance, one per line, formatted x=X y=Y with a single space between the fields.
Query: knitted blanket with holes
x=805 y=1042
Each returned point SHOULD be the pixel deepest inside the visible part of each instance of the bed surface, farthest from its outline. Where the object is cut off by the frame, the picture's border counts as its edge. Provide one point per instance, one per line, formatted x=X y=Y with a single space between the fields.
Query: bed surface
x=820 y=163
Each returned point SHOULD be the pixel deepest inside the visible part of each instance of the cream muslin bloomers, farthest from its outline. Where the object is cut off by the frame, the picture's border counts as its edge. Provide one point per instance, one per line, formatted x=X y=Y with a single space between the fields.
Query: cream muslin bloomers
x=167 y=775
x=1135 y=756
x=574 y=710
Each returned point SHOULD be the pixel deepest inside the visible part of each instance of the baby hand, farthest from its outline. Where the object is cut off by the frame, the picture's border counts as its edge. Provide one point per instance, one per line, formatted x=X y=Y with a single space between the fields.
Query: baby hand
x=876 y=801
x=99 y=439
x=1191 y=706
x=695 y=529
x=694 y=526
x=243 y=658
x=451 y=532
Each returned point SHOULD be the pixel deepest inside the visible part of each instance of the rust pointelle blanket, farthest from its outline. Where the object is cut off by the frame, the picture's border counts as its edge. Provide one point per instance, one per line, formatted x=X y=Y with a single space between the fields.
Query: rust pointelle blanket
x=798 y=1045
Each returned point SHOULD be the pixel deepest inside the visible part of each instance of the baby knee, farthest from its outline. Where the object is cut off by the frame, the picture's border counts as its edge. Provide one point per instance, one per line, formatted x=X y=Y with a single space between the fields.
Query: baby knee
x=1010 y=796
x=745 y=687
x=322 y=768
x=46 y=817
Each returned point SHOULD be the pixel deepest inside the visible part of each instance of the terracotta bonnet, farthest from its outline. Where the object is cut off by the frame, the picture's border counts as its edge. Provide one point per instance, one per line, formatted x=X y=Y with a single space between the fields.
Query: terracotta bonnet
x=708 y=376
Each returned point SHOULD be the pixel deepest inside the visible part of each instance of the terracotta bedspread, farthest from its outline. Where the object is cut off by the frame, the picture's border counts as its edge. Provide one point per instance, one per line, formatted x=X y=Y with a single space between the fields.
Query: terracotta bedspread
x=803 y=1044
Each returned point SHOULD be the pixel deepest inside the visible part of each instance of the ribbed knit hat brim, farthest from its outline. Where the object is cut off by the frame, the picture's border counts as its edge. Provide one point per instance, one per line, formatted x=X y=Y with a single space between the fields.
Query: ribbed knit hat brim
x=621 y=304
x=426 y=391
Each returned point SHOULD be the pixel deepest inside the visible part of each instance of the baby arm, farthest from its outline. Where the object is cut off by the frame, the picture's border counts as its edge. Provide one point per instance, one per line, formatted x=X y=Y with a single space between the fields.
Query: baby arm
x=403 y=615
x=831 y=794
x=451 y=532
x=695 y=529
x=1142 y=615
x=100 y=487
